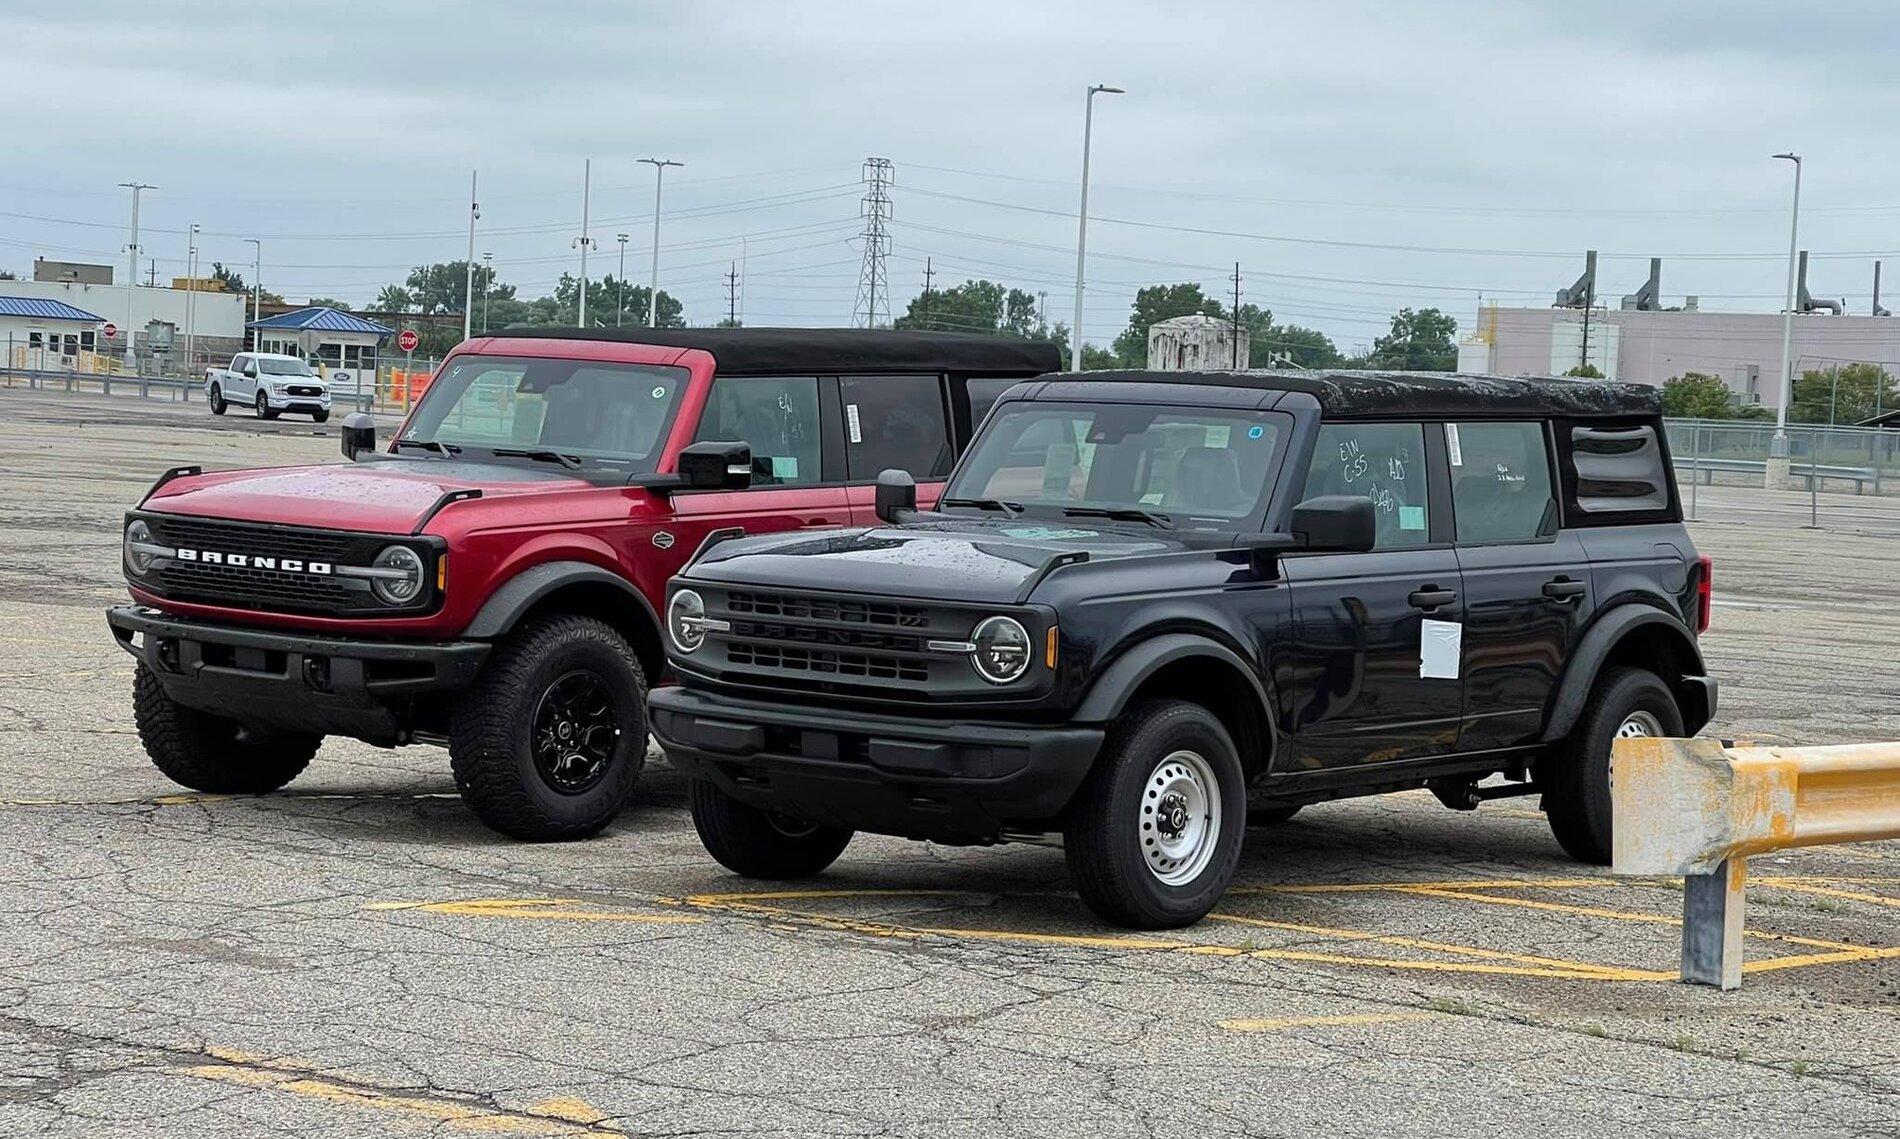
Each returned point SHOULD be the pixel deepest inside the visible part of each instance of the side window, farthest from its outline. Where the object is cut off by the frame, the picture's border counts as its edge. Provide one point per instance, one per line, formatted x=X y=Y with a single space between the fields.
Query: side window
x=895 y=421
x=1386 y=463
x=1500 y=480
x=983 y=395
x=239 y=363
x=777 y=417
x=1619 y=470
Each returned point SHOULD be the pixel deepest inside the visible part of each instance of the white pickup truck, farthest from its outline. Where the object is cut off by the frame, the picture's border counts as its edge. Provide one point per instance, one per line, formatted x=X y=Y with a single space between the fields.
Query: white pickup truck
x=269 y=385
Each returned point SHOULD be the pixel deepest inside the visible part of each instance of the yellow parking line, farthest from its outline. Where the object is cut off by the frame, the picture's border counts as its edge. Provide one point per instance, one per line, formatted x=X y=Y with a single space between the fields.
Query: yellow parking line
x=1828 y=892
x=542 y=909
x=1459 y=884
x=1615 y=915
x=1429 y=946
x=1350 y=1020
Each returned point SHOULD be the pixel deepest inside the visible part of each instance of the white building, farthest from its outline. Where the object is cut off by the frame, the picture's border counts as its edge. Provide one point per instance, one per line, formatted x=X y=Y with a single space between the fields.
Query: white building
x=207 y=316
x=1193 y=343
x=45 y=334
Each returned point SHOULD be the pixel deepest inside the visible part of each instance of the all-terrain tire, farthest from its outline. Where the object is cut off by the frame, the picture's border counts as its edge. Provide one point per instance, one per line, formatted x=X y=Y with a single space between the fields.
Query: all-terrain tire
x=210 y=753
x=1575 y=773
x=1123 y=810
x=216 y=400
x=493 y=730
x=758 y=843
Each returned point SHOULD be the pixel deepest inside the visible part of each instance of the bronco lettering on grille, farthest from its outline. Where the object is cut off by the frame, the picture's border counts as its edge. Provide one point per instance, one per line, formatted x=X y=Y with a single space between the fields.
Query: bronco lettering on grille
x=253 y=561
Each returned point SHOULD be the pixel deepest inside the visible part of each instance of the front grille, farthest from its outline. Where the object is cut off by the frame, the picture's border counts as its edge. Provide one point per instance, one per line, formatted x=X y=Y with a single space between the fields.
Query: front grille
x=822 y=662
x=268 y=590
x=304 y=389
x=798 y=607
x=833 y=644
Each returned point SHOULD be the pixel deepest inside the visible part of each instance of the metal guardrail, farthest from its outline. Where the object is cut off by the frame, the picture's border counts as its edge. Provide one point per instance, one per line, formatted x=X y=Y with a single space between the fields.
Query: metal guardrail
x=1698 y=467
x=167 y=387
x=1698 y=808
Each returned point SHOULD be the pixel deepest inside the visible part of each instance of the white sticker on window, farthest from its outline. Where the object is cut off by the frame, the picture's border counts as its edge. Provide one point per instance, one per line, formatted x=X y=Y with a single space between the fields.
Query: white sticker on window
x=851 y=423
x=1216 y=435
x=784 y=466
x=1451 y=445
x=1058 y=464
x=1439 y=648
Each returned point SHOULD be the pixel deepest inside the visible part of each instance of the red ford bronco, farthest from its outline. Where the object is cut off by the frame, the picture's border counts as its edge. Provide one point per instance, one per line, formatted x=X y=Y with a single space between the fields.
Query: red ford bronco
x=490 y=581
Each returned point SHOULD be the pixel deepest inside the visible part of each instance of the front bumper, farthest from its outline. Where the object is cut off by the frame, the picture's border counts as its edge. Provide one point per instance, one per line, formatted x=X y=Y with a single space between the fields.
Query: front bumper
x=953 y=781
x=269 y=679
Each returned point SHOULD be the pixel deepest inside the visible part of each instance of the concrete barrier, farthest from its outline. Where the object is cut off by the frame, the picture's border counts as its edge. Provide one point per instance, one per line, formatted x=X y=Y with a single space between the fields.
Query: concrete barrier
x=1698 y=809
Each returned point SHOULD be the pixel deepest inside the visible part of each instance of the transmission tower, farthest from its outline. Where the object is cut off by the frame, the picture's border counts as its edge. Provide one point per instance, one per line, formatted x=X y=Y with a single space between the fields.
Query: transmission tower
x=872 y=309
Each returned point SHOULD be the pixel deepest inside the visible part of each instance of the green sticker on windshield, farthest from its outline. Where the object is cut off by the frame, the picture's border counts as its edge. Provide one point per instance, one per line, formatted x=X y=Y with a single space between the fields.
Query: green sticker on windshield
x=1411 y=517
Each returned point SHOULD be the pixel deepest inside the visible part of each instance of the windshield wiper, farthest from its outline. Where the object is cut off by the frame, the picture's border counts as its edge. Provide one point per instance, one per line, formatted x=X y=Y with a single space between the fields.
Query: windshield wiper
x=1012 y=509
x=443 y=449
x=1121 y=514
x=539 y=456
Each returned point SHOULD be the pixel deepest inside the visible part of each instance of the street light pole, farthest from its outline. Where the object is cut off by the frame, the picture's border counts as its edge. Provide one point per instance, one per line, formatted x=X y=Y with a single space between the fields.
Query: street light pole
x=620 y=305
x=1082 y=222
x=132 y=274
x=653 y=285
x=583 y=242
x=191 y=298
x=468 y=297
x=1777 y=472
x=257 y=292
x=488 y=286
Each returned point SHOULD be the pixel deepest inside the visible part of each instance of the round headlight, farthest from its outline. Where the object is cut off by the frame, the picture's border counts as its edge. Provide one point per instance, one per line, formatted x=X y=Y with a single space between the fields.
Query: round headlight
x=1002 y=649
x=137 y=561
x=395 y=590
x=686 y=620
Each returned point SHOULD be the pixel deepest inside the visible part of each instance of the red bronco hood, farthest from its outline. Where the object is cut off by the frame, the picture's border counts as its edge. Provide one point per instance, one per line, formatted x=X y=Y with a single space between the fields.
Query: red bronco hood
x=382 y=498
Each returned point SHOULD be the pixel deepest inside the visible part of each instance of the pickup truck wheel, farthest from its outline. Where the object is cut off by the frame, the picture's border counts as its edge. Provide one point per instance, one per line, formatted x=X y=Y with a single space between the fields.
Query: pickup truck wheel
x=1155 y=832
x=210 y=753
x=548 y=743
x=216 y=400
x=758 y=843
x=320 y=416
x=260 y=405
x=1575 y=773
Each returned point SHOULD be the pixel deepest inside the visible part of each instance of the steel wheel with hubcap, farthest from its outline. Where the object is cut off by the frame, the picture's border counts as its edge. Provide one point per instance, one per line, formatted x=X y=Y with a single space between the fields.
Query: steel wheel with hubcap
x=1625 y=703
x=1154 y=833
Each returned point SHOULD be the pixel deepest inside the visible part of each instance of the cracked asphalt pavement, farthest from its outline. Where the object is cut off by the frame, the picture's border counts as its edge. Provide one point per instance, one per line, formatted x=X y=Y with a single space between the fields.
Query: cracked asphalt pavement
x=357 y=957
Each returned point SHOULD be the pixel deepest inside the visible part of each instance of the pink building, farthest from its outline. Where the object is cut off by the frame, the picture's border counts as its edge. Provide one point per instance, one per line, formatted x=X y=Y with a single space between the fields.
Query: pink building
x=1743 y=348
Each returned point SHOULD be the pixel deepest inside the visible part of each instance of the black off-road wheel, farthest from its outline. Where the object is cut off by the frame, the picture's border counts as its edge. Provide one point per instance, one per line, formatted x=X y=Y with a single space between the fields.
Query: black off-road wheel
x=216 y=399
x=211 y=753
x=1154 y=834
x=548 y=743
x=1575 y=773
x=758 y=843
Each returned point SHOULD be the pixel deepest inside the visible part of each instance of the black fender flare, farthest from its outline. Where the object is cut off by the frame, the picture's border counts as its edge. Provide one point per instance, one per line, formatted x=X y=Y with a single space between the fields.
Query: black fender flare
x=1586 y=661
x=521 y=592
x=1110 y=693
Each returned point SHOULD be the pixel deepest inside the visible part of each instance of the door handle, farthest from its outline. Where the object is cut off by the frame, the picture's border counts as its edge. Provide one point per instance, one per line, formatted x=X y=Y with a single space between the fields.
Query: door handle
x=814 y=523
x=1431 y=597
x=1563 y=589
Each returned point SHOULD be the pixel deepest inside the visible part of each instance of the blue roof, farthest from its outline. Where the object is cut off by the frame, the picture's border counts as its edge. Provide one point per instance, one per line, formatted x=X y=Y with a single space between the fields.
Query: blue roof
x=321 y=319
x=45 y=310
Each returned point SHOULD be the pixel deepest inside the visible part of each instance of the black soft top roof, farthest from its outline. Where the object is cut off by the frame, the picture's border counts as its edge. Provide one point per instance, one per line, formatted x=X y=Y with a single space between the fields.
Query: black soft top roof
x=1382 y=394
x=831 y=351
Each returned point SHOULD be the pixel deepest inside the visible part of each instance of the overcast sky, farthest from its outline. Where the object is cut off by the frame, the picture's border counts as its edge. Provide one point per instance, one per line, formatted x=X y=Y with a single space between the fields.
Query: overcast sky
x=1353 y=156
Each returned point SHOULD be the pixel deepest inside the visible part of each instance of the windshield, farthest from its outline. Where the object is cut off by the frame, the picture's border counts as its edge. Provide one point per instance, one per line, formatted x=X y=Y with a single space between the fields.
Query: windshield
x=272 y=367
x=604 y=415
x=1195 y=466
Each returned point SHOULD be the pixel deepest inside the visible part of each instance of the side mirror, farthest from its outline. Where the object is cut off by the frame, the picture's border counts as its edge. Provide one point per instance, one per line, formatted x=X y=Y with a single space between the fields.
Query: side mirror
x=896 y=492
x=1341 y=523
x=715 y=466
x=359 y=434
x=250 y=373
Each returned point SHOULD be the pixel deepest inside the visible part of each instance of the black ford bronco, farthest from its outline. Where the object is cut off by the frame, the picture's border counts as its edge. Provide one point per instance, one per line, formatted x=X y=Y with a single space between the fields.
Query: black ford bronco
x=1152 y=608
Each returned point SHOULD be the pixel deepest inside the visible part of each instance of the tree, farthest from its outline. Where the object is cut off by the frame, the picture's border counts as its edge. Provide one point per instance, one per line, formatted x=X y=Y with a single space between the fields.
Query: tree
x=1420 y=341
x=328 y=302
x=233 y=282
x=1585 y=372
x=1698 y=395
x=973 y=306
x=1157 y=303
x=394 y=298
x=1846 y=393
x=8 y=275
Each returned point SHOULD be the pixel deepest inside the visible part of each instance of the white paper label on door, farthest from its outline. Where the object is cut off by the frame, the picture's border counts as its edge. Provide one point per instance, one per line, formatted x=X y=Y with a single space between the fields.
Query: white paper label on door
x=1452 y=450
x=851 y=422
x=1439 y=648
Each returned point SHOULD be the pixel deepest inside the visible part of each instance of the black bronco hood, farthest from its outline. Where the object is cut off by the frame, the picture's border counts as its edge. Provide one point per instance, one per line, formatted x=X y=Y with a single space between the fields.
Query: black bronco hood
x=975 y=560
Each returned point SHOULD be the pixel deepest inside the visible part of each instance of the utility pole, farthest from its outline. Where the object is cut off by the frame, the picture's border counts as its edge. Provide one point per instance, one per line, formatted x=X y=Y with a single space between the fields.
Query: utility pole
x=872 y=309
x=488 y=286
x=191 y=298
x=257 y=292
x=1082 y=221
x=1777 y=473
x=653 y=285
x=620 y=304
x=928 y=274
x=132 y=274
x=1042 y=310
x=732 y=296
x=1236 y=333
x=584 y=242
x=468 y=296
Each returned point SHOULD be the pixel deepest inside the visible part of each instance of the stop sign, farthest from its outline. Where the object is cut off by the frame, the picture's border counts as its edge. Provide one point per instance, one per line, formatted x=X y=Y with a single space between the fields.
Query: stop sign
x=110 y=330
x=406 y=341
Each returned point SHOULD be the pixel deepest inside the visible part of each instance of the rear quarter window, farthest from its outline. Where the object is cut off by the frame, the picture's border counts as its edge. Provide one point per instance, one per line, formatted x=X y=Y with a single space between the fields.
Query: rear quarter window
x=1616 y=472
